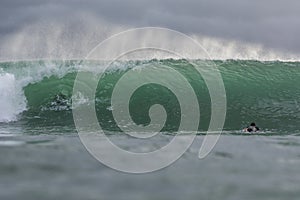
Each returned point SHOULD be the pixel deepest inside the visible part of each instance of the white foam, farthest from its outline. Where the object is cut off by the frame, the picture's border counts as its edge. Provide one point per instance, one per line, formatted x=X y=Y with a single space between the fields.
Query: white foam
x=12 y=99
x=13 y=80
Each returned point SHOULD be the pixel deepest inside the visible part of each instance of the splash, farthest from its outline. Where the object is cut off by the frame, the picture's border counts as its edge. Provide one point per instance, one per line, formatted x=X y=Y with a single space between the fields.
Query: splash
x=74 y=38
x=12 y=99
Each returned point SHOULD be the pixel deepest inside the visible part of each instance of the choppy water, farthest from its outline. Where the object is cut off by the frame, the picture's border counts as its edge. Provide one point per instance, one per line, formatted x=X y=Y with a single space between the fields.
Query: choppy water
x=58 y=167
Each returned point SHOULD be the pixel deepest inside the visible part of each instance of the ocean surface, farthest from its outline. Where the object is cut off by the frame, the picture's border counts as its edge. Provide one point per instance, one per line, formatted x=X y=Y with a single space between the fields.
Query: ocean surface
x=42 y=157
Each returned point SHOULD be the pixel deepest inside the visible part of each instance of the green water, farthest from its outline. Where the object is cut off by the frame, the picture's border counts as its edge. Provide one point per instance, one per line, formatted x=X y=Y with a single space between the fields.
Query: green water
x=264 y=92
x=42 y=156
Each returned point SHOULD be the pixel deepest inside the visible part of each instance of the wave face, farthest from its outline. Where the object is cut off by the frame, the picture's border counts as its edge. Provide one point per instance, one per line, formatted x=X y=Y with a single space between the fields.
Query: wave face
x=39 y=93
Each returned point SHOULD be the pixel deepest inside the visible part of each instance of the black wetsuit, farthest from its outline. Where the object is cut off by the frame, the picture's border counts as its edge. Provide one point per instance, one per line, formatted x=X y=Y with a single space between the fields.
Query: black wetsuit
x=252 y=128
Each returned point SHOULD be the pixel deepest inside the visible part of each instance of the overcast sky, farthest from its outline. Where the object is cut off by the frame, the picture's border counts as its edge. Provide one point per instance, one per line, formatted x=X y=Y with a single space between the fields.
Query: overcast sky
x=272 y=23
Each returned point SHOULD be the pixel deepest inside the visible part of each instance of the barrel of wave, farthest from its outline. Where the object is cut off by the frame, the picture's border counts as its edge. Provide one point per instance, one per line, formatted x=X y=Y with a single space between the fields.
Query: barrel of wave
x=12 y=99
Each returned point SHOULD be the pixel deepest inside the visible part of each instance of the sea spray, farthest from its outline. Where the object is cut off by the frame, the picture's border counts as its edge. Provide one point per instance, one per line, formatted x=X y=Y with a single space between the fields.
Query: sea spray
x=12 y=99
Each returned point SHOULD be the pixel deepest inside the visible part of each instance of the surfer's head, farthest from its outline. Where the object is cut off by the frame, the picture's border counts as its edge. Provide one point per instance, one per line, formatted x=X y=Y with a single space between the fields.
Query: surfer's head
x=252 y=124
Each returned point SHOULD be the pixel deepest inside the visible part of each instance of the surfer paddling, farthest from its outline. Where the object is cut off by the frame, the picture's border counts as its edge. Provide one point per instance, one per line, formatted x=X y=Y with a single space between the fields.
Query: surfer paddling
x=251 y=128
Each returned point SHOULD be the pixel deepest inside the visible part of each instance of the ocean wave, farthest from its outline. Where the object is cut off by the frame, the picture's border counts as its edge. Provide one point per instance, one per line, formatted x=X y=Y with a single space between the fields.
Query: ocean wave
x=41 y=92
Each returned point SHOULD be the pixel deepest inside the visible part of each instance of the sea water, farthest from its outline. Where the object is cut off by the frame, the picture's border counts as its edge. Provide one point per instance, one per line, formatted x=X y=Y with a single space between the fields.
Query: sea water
x=42 y=156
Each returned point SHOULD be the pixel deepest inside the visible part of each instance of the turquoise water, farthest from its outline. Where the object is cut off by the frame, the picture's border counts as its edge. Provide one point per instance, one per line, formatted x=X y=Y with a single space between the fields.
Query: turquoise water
x=43 y=158
x=264 y=92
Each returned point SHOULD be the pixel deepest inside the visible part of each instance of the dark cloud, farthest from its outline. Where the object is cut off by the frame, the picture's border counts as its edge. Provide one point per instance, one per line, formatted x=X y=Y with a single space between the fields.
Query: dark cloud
x=271 y=23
